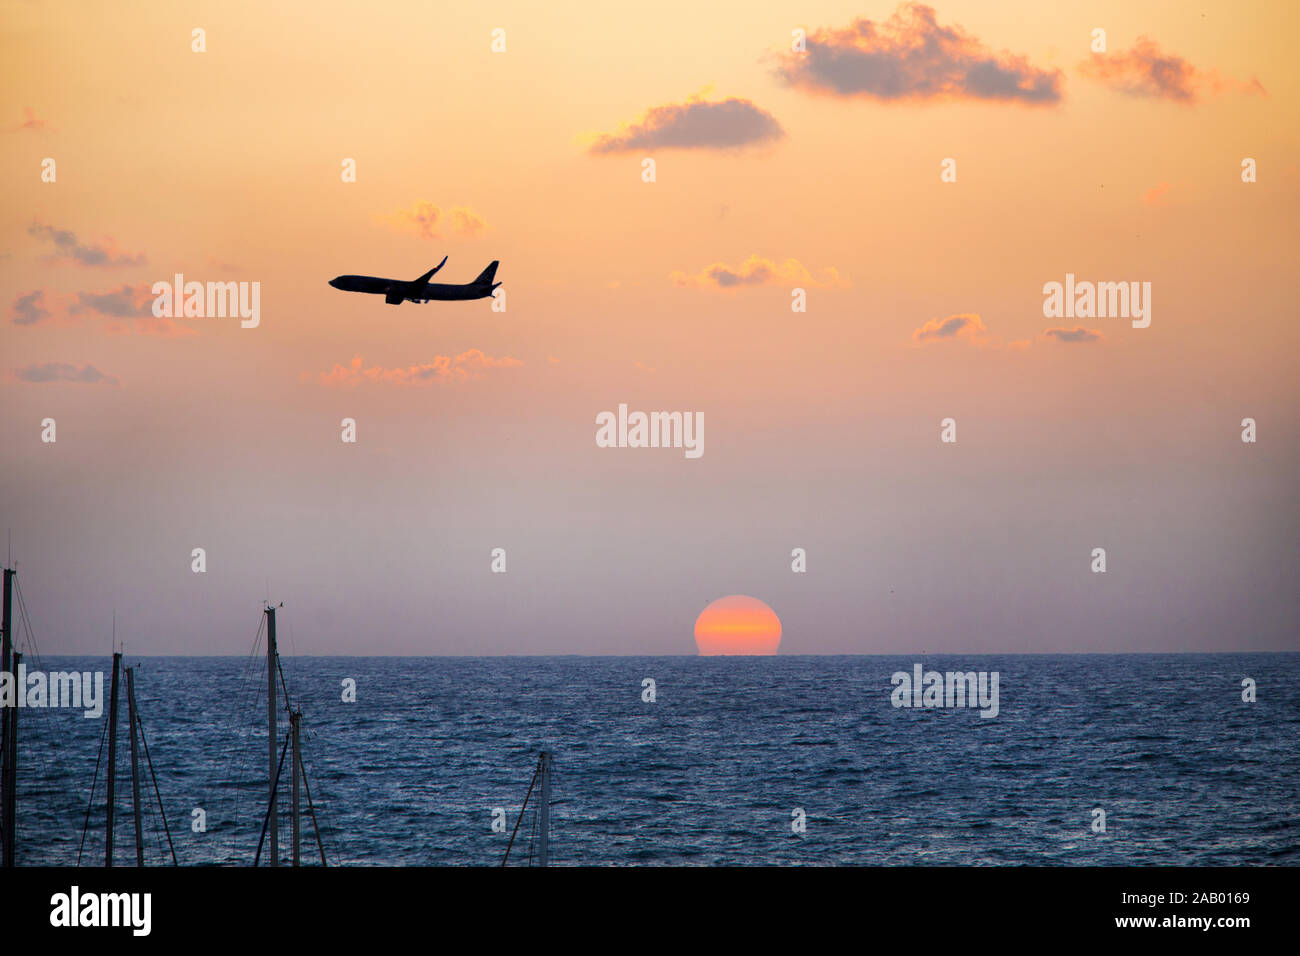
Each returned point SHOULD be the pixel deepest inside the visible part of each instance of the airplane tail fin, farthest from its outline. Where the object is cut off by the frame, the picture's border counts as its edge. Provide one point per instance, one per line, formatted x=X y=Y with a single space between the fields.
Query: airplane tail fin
x=488 y=274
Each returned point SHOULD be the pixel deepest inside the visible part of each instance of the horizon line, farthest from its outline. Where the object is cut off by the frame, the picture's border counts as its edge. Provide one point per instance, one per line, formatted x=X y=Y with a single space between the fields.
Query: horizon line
x=743 y=656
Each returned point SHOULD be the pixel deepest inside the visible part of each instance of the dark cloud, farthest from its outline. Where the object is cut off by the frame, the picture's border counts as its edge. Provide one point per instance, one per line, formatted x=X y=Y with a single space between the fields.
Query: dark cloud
x=728 y=124
x=64 y=372
x=909 y=56
x=727 y=277
x=967 y=325
x=1076 y=334
x=67 y=245
x=126 y=303
x=29 y=309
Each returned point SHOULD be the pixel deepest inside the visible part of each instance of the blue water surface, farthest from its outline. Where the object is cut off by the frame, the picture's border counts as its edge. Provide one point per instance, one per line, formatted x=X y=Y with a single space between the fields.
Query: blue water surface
x=709 y=773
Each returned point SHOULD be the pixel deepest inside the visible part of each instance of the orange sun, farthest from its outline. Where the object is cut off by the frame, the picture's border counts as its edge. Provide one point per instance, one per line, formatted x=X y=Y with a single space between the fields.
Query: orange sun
x=737 y=624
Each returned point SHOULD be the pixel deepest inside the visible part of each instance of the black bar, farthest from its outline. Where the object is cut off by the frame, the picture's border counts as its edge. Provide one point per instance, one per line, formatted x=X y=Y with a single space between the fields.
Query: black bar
x=924 y=910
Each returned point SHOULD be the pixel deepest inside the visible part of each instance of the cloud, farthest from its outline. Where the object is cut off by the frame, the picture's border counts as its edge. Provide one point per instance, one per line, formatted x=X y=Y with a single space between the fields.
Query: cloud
x=465 y=222
x=149 y=325
x=759 y=271
x=128 y=308
x=64 y=372
x=1146 y=71
x=443 y=368
x=910 y=57
x=126 y=302
x=733 y=123
x=31 y=121
x=429 y=220
x=67 y=246
x=29 y=308
x=131 y=303
x=1076 y=334
x=1155 y=196
x=967 y=326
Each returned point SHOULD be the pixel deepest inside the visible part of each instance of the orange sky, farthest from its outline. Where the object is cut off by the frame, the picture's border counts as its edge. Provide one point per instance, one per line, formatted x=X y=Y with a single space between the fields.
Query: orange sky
x=225 y=165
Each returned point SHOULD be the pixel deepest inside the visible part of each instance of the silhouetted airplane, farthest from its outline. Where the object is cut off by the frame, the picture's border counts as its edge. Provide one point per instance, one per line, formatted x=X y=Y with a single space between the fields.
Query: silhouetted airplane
x=397 y=291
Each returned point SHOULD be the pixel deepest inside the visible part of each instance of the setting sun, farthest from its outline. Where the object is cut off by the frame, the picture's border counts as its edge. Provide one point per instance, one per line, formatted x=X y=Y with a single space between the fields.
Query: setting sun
x=737 y=624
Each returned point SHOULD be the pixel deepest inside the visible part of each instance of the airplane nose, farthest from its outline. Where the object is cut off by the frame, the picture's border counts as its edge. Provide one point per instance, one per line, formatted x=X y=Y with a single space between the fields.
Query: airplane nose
x=334 y=283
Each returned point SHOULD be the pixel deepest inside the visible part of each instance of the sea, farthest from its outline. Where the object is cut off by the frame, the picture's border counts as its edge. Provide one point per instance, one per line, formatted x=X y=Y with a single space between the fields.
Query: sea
x=670 y=761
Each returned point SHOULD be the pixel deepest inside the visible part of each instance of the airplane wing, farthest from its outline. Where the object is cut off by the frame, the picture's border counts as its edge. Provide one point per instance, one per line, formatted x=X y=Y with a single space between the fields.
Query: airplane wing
x=425 y=278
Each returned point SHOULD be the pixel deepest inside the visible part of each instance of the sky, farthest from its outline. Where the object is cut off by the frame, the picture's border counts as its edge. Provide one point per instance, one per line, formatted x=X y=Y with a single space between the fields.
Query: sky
x=775 y=169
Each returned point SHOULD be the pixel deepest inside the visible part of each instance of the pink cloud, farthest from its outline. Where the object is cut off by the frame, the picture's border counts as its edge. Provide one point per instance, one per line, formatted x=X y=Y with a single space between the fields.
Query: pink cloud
x=1155 y=196
x=757 y=270
x=1146 y=70
x=31 y=121
x=443 y=368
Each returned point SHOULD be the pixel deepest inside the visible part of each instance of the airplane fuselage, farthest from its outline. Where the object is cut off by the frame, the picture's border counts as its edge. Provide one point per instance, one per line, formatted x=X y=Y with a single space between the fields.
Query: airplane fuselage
x=437 y=291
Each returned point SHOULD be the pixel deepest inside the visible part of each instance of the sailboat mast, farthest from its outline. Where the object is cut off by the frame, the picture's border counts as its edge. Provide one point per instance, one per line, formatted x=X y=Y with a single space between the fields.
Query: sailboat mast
x=8 y=726
x=544 y=814
x=135 y=766
x=295 y=720
x=112 y=761
x=11 y=761
x=270 y=729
